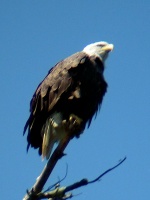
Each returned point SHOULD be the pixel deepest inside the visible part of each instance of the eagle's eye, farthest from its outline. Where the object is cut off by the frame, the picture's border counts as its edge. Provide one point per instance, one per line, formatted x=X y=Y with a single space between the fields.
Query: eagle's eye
x=101 y=45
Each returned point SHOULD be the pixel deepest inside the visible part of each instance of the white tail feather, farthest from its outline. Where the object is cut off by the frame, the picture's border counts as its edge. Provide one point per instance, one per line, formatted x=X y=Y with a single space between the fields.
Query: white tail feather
x=48 y=140
x=53 y=132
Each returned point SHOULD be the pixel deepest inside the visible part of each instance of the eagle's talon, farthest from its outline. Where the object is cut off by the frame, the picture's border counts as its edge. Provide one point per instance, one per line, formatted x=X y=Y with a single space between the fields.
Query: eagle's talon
x=75 y=119
x=74 y=122
x=64 y=122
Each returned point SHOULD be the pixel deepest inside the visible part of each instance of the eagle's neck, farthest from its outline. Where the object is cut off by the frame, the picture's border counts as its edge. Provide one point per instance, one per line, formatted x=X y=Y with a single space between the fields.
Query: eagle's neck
x=92 y=52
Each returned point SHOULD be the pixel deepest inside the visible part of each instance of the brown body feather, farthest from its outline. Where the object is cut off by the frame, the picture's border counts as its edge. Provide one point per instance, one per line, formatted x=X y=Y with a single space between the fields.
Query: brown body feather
x=73 y=86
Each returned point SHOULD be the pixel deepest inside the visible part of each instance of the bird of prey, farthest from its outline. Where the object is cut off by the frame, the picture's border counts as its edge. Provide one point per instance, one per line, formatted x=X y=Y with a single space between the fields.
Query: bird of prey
x=68 y=98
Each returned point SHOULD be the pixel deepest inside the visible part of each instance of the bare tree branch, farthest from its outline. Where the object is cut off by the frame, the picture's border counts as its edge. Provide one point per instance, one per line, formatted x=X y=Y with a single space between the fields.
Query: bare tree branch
x=41 y=180
x=61 y=193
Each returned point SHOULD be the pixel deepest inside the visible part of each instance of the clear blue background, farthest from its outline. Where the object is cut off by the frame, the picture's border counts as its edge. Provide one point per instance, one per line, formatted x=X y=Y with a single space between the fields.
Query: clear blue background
x=36 y=34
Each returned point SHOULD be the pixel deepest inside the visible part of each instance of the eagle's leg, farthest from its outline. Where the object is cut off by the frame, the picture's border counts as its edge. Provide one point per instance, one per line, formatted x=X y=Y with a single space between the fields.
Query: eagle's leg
x=74 y=120
x=73 y=125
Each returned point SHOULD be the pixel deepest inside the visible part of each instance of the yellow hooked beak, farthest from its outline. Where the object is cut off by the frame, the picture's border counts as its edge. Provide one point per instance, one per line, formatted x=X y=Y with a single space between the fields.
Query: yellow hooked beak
x=108 y=47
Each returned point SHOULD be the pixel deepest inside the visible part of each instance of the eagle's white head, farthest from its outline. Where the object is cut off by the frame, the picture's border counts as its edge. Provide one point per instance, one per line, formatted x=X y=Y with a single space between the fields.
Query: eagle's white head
x=100 y=49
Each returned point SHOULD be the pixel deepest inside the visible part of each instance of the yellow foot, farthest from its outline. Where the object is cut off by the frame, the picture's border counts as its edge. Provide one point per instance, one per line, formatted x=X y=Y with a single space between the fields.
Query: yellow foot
x=75 y=120
x=73 y=123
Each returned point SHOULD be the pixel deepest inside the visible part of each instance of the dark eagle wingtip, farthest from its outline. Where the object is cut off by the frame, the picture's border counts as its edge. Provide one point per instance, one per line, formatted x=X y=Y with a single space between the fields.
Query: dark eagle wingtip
x=28 y=146
x=24 y=130
x=26 y=126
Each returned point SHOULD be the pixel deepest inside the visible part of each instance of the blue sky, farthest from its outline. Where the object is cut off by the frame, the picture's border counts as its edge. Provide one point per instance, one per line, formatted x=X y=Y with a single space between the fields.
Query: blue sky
x=34 y=36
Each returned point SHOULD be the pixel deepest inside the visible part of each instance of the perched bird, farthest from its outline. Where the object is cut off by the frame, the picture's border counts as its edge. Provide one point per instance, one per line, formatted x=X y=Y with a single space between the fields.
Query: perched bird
x=68 y=98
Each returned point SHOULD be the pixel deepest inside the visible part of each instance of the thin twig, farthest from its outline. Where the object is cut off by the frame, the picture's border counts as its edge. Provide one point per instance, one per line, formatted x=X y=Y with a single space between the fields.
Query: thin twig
x=84 y=182
x=58 y=182
x=99 y=177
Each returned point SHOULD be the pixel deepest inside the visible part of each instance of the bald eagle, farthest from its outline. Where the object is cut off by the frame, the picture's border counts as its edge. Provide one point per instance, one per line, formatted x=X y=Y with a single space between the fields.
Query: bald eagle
x=68 y=98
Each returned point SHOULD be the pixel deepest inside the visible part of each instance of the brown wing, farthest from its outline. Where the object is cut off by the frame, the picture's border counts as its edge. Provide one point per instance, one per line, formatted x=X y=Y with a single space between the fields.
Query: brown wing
x=56 y=83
